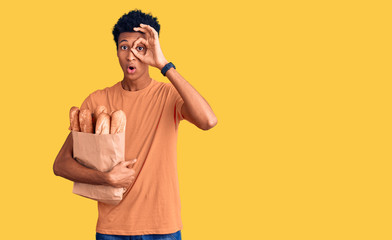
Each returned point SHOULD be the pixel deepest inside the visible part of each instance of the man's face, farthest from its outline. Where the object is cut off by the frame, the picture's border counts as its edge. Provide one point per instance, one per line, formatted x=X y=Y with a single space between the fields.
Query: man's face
x=132 y=67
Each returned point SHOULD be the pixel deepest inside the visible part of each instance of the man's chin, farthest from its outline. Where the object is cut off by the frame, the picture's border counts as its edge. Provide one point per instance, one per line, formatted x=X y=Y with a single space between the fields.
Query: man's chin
x=131 y=76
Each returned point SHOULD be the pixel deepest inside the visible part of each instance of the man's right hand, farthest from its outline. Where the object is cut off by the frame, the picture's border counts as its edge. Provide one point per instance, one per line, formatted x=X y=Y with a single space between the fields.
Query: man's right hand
x=122 y=175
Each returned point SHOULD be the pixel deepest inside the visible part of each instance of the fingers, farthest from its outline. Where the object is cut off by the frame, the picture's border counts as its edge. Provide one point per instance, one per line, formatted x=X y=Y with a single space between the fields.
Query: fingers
x=133 y=162
x=147 y=29
x=143 y=30
x=132 y=179
x=133 y=49
x=153 y=32
x=130 y=163
x=137 y=54
x=140 y=40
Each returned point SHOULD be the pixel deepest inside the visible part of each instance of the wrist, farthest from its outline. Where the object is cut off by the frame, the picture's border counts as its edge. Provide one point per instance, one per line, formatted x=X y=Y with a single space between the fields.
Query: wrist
x=162 y=64
x=167 y=67
x=105 y=178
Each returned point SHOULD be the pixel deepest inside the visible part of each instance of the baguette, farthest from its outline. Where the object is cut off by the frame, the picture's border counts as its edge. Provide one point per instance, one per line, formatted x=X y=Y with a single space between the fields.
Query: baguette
x=85 y=121
x=74 y=119
x=98 y=110
x=103 y=124
x=118 y=122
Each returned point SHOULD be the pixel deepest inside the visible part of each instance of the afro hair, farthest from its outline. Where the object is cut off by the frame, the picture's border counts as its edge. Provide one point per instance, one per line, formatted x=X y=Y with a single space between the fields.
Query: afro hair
x=132 y=19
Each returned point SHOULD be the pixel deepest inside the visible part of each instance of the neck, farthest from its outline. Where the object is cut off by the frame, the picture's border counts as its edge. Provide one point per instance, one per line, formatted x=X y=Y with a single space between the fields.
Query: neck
x=137 y=84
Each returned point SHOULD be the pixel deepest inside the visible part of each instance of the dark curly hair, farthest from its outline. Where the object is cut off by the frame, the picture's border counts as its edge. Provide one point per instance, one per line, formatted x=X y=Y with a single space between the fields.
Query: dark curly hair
x=128 y=21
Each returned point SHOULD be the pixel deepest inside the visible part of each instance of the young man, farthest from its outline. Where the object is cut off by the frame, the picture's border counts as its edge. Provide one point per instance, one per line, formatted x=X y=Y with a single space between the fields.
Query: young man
x=150 y=208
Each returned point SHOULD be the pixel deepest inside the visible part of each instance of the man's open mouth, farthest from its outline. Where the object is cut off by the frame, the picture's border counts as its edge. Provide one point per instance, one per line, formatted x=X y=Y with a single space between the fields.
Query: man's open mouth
x=131 y=69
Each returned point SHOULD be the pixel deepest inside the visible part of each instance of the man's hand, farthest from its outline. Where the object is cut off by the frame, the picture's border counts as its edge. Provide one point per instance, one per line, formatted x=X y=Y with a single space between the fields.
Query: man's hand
x=154 y=56
x=122 y=175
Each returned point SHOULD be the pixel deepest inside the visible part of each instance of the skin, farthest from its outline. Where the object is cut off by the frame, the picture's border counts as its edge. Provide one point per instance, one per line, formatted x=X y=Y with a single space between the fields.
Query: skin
x=140 y=49
x=195 y=109
x=122 y=175
x=141 y=78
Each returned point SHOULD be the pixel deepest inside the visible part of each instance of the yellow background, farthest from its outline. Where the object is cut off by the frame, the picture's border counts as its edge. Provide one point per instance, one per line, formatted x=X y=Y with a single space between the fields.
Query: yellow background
x=301 y=89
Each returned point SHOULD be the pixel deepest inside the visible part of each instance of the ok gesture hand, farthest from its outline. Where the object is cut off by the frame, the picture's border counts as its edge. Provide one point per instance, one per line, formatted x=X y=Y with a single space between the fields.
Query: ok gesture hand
x=153 y=56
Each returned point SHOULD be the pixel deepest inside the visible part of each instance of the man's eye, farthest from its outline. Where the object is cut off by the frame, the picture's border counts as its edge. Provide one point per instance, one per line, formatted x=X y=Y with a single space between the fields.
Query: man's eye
x=122 y=47
x=140 y=48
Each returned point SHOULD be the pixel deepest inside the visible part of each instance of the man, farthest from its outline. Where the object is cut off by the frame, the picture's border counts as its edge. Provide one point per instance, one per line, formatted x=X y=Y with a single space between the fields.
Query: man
x=150 y=208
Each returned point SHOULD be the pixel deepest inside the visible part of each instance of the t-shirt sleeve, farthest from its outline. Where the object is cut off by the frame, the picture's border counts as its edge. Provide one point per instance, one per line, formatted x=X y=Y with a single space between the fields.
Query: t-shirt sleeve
x=87 y=104
x=178 y=102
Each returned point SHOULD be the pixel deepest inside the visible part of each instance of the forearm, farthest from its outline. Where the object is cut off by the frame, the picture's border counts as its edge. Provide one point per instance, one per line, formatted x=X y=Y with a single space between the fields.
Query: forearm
x=67 y=167
x=74 y=171
x=197 y=108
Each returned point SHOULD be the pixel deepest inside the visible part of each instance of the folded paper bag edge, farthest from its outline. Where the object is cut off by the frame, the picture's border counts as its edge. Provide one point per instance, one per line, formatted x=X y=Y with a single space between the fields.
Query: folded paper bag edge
x=101 y=193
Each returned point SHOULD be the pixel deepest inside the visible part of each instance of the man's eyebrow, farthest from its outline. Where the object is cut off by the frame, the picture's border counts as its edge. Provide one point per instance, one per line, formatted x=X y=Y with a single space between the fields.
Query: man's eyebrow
x=123 y=41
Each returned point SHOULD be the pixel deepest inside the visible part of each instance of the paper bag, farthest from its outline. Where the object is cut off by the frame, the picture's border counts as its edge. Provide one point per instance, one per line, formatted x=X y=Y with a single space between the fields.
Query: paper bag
x=100 y=152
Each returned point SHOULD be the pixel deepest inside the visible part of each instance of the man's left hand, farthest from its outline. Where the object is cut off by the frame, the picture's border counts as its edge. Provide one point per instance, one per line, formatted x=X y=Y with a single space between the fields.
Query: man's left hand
x=154 y=56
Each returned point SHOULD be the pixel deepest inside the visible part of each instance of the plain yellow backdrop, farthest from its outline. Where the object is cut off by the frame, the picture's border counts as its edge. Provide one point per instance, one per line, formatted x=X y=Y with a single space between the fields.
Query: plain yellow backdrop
x=301 y=89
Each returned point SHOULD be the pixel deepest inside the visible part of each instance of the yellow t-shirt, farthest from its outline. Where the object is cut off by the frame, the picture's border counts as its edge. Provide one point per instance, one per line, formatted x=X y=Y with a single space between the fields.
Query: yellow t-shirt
x=152 y=204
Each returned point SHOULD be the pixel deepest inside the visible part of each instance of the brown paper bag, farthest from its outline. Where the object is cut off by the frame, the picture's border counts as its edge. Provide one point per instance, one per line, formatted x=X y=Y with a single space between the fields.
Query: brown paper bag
x=100 y=152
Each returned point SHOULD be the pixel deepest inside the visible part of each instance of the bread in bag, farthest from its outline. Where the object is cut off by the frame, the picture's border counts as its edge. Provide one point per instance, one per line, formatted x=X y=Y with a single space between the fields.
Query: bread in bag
x=98 y=110
x=103 y=124
x=86 y=121
x=118 y=122
x=74 y=119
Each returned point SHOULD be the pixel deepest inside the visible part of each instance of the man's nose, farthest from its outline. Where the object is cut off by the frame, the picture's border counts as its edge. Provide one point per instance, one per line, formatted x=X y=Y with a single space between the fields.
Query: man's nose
x=131 y=56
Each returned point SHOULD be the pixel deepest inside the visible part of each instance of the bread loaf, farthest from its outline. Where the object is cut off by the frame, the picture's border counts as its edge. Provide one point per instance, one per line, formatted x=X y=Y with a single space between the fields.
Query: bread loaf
x=85 y=121
x=100 y=121
x=103 y=124
x=98 y=110
x=74 y=119
x=118 y=122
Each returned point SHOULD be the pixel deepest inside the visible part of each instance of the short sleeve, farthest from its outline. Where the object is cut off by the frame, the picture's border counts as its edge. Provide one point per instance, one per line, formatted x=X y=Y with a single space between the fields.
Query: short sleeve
x=87 y=104
x=178 y=102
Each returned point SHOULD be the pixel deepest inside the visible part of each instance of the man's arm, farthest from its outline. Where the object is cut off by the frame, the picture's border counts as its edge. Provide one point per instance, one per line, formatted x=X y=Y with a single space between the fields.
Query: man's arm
x=67 y=167
x=195 y=108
